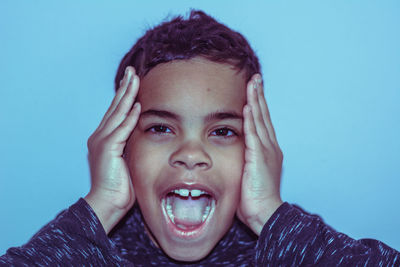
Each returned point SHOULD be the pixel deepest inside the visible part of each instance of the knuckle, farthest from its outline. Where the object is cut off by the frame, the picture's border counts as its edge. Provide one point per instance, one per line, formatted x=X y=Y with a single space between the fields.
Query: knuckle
x=95 y=143
x=279 y=154
x=90 y=141
x=268 y=152
x=107 y=141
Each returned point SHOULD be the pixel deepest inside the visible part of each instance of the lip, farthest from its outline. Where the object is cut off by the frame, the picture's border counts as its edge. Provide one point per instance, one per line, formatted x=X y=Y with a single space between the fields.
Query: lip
x=189 y=234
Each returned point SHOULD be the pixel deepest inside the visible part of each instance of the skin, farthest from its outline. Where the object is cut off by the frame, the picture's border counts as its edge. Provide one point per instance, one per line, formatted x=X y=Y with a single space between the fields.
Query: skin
x=189 y=149
x=242 y=169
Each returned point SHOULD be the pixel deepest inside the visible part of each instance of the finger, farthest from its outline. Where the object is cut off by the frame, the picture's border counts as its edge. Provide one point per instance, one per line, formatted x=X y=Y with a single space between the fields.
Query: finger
x=124 y=130
x=252 y=99
x=123 y=108
x=265 y=112
x=250 y=133
x=124 y=83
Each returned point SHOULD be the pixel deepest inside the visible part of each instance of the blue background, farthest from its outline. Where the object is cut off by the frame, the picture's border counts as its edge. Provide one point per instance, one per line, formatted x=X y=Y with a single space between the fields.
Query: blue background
x=332 y=75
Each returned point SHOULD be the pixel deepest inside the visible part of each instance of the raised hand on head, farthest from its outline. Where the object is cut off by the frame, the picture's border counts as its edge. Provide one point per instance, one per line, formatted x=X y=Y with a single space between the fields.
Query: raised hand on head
x=111 y=194
x=260 y=191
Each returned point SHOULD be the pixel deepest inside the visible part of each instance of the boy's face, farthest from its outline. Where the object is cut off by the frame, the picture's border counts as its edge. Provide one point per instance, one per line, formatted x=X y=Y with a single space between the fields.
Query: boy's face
x=187 y=152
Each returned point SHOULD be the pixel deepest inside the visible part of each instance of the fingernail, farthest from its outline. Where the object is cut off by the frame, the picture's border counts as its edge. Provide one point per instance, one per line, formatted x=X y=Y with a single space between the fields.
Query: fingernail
x=255 y=84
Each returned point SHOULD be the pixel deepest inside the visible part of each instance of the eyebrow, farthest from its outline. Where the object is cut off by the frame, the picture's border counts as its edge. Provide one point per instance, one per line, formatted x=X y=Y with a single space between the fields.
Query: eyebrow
x=223 y=115
x=214 y=116
x=161 y=114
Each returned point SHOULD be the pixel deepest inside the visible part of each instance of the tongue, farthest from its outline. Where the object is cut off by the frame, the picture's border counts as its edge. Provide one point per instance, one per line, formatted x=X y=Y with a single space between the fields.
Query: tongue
x=189 y=211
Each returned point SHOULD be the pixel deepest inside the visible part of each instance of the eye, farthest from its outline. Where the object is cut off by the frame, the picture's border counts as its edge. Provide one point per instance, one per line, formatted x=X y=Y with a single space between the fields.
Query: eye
x=224 y=132
x=159 y=129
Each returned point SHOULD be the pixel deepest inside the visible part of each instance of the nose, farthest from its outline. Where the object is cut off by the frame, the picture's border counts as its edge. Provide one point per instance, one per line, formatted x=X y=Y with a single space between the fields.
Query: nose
x=191 y=156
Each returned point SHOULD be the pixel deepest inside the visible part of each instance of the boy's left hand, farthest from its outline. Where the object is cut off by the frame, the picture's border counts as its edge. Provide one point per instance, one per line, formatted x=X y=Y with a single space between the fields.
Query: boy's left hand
x=260 y=192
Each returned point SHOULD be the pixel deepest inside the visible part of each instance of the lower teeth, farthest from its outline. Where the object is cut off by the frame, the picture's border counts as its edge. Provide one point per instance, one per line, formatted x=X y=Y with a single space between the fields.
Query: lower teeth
x=168 y=202
x=169 y=212
x=206 y=212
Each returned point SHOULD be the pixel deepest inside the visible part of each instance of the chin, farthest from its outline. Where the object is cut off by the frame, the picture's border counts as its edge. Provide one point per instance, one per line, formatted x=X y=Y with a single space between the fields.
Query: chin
x=188 y=254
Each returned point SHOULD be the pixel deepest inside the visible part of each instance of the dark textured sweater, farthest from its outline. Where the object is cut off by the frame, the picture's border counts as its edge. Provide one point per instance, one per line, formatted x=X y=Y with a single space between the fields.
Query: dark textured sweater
x=291 y=237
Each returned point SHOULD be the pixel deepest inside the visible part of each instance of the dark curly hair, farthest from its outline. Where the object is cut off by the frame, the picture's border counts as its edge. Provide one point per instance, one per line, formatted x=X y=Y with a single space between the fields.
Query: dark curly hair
x=199 y=35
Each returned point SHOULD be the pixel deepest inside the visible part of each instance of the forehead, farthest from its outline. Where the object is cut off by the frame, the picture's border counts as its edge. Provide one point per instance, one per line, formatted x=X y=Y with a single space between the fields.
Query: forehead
x=194 y=86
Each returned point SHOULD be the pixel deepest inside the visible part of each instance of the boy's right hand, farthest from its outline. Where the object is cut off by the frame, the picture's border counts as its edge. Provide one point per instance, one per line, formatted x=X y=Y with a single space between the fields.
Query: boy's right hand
x=111 y=194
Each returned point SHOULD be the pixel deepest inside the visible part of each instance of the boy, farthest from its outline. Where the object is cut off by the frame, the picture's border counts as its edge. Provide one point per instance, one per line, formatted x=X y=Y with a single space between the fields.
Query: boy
x=193 y=147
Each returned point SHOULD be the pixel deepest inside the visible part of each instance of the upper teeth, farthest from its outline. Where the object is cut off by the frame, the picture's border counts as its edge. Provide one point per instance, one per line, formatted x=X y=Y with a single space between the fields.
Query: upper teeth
x=193 y=192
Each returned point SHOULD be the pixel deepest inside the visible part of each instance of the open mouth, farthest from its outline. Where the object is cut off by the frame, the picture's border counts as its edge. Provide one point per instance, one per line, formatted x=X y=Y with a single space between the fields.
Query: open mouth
x=188 y=210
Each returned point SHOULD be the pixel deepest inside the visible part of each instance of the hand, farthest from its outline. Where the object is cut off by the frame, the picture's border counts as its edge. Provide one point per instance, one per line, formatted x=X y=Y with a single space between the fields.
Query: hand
x=111 y=194
x=260 y=193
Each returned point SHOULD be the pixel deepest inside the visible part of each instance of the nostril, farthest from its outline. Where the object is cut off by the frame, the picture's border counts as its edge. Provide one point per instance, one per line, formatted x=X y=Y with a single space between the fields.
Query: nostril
x=202 y=164
x=180 y=163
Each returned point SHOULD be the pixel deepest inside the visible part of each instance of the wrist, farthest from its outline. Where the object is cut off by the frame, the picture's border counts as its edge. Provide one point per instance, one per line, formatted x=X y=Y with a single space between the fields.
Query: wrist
x=107 y=213
x=257 y=222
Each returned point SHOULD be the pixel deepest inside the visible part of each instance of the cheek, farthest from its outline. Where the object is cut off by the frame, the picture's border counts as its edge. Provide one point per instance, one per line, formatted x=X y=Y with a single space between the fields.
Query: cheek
x=142 y=159
x=231 y=169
